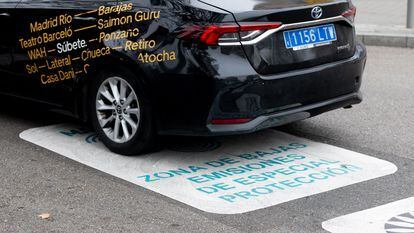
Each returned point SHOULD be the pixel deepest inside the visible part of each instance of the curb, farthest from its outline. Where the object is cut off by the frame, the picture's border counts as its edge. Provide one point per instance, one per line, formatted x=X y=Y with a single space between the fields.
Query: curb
x=396 y=36
x=387 y=40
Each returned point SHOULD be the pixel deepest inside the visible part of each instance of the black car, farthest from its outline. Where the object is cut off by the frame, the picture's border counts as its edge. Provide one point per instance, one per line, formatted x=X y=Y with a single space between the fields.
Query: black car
x=136 y=69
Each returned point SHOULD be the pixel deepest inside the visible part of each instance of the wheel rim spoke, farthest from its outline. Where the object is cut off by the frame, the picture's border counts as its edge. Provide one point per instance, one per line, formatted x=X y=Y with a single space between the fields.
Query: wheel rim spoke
x=130 y=99
x=125 y=129
x=130 y=122
x=105 y=93
x=101 y=106
x=122 y=91
x=116 y=129
x=104 y=122
x=114 y=88
x=133 y=111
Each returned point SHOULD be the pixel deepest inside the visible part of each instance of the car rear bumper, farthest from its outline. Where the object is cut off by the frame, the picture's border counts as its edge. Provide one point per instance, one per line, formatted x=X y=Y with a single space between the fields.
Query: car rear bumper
x=237 y=91
x=292 y=96
x=288 y=116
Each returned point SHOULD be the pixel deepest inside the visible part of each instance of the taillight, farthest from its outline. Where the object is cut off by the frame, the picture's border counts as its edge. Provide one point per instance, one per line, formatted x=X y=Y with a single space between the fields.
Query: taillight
x=350 y=14
x=230 y=121
x=223 y=34
x=211 y=35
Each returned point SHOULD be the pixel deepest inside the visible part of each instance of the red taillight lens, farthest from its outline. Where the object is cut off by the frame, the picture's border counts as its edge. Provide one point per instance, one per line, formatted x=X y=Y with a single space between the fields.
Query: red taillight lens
x=230 y=121
x=212 y=34
x=350 y=14
x=259 y=26
x=226 y=33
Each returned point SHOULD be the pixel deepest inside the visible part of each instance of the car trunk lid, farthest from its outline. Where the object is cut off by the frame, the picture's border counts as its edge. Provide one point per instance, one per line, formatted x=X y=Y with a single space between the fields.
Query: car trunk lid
x=270 y=55
x=270 y=10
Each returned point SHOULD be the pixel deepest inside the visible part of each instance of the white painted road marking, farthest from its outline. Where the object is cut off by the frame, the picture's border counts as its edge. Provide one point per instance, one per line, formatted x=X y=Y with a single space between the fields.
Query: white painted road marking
x=246 y=173
x=396 y=217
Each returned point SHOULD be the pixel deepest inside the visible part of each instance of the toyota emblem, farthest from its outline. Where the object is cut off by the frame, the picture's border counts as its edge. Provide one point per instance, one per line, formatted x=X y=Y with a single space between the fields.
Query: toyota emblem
x=317 y=12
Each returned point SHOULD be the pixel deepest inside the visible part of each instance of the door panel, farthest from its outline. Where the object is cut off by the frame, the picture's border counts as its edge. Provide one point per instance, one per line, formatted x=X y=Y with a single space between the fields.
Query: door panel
x=46 y=58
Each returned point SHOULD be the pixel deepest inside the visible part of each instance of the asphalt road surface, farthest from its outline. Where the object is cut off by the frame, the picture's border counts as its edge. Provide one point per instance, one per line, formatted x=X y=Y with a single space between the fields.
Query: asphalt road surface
x=81 y=199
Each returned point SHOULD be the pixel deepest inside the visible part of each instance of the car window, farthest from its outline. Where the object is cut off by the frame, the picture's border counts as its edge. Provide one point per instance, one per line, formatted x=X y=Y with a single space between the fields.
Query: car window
x=8 y=3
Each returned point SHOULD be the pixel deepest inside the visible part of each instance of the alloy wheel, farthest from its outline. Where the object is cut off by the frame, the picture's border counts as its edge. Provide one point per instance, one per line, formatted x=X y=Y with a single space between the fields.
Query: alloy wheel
x=118 y=109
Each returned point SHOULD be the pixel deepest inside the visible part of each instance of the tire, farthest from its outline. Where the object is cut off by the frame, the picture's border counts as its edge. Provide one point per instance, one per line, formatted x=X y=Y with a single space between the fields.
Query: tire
x=122 y=116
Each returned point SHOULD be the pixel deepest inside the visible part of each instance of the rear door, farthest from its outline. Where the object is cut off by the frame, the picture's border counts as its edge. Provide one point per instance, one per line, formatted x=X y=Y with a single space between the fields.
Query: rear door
x=52 y=34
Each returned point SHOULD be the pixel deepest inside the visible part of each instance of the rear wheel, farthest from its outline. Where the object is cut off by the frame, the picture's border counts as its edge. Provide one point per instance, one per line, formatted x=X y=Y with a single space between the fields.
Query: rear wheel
x=121 y=114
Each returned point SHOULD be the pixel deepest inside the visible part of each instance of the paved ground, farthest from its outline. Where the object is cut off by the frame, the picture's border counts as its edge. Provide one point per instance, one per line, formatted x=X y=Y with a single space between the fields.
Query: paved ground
x=384 y=23
x=381 y=12
x=81 y=199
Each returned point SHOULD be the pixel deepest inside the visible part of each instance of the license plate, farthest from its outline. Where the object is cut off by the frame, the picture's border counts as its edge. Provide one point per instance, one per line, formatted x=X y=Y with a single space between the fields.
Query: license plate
x=310 y=37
